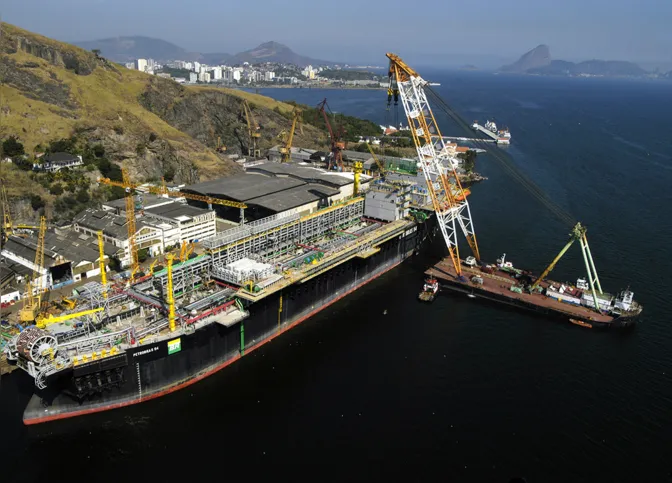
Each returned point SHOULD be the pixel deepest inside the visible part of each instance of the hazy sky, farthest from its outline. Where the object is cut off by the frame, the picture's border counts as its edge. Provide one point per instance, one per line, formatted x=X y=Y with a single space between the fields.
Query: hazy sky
x=356 y=30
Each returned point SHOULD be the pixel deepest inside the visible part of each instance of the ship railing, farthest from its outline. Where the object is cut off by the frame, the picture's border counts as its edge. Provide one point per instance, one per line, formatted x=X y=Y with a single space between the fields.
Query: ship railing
x=252 y=228
x=95 y=341
x=152 y=329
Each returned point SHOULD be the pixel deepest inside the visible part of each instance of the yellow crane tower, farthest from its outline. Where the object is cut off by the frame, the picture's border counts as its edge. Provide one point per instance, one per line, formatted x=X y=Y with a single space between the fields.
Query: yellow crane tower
x=170 y=299
x=221 y=148
x=127 y=185
x=381 y=167
x=101 y=262
x=130 y=224
x=8 y=225
x=357 y=170
x=43 y=322
x=33 y=298
x=286 y=150
x=252 y=129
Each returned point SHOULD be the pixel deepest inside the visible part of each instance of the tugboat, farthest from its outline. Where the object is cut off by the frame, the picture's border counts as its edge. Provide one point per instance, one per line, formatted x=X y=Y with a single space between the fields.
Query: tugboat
x=429 y=290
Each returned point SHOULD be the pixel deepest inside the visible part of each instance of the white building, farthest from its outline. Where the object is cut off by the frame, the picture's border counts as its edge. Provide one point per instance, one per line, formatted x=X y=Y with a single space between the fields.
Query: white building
x=216 y=73
x=269 y=76
x=193 y=77
x=204 y=77
x=194 y=224
x=197 y=67
x=58 y=161
x=237 y=74
x=141 y=65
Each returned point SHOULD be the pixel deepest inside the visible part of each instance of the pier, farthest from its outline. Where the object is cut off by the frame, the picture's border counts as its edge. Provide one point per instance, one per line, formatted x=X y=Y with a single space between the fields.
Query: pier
x=495 y=138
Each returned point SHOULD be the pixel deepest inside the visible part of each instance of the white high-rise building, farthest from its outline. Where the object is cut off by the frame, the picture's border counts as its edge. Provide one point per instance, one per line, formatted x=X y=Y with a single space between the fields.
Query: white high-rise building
x=216 y=73
x=141 y=65
x=197 y=67
x=269 y=76
x=236 y=75
x=193 y=77
x=189 y=65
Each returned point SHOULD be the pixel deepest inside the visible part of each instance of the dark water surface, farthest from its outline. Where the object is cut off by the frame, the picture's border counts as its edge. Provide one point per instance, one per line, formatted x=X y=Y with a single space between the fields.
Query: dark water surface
x=456 y=390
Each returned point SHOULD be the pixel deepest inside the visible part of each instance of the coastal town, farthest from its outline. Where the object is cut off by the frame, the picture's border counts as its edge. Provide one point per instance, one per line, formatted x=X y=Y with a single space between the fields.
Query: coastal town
x=266 y=74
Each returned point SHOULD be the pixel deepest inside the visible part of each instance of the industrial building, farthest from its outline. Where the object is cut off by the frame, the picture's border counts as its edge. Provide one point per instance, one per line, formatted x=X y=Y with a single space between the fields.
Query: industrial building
x=388 y=201
x=271 y=188
x=68 y=257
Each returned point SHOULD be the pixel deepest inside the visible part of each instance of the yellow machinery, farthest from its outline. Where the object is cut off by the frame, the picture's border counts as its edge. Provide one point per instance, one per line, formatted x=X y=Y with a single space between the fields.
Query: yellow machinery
x=101 y=262
x=130 y=224
x=381 y=167
x=220 y=147
x=163 y=190
x=170 y=299
x=286 y=150
x=69 y=303
x=33 y=298
x=151 y=267
x=186 y=250
x=8 y=225
x=43 y=322
x=357 y=169
x=252 y=129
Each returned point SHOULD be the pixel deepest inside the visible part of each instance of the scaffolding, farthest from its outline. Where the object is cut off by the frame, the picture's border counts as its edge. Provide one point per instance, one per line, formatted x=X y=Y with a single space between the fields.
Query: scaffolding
x=276 y=233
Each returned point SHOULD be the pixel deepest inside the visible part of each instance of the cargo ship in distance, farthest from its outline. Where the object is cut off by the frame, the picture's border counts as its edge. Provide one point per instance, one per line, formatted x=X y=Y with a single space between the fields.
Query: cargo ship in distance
x=503 y=283
x=253 y=283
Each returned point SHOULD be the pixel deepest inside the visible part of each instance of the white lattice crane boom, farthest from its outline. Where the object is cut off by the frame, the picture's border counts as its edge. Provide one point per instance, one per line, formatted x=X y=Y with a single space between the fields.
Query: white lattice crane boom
x=448 y=197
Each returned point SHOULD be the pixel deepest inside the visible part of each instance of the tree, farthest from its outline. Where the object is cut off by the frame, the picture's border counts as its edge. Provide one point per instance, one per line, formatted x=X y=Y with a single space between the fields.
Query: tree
x=169 y=174
x=83 y=196
x=96 y=52
x=56 y=189
x=12 y=147
x=36 y=202
x=469 y=160
x=143 y=253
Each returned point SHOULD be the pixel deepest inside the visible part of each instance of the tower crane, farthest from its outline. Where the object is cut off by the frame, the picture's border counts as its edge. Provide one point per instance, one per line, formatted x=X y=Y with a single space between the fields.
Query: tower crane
x=33 y=300
x=221 y=148
x=130 y=224
x=336 y=138
x=381 y=167
x=8 y=225
x=101 y=262
x=170 y=299
x=286 y=150
x=252 y=129
x=448 y=197
x=127 y=185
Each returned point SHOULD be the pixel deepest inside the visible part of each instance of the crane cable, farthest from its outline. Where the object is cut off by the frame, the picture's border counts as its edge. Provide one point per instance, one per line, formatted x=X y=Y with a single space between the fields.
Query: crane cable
x=505 y=161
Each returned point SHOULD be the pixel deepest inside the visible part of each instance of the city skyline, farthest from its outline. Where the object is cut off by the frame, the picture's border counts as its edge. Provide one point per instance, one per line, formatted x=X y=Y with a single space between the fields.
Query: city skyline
x=610 y=30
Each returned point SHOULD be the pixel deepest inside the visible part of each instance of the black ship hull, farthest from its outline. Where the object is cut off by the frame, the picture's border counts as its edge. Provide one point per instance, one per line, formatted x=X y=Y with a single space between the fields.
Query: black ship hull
x=154 y=370
x=621 y=322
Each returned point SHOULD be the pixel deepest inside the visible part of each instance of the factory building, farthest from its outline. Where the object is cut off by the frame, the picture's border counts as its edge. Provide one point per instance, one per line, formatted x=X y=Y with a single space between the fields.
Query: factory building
x=68 y=257
x=272 y=188
x=388 y=201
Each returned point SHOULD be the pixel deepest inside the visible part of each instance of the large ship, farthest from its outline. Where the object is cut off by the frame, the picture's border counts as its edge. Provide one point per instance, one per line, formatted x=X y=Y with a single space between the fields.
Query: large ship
x=144 y=340
x=500 y=136
x=583 y=303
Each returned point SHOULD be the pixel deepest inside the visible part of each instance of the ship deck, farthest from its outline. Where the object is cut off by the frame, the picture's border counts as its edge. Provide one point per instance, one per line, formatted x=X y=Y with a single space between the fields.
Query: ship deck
x=499 y=283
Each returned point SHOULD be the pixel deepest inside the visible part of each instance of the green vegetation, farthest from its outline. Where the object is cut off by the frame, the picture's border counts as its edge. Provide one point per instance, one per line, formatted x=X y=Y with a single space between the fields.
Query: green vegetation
x=353 y=126
x=12 y=147
x=143 y=253
x=469 y=160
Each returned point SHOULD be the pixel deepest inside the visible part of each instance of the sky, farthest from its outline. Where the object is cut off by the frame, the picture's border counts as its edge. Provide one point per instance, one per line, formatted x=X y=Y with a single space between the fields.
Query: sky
x=427 y=32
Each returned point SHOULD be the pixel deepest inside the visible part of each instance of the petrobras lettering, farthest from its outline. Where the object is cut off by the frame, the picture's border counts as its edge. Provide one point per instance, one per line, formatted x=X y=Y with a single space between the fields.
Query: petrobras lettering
x=410 y=230
x=146 y=351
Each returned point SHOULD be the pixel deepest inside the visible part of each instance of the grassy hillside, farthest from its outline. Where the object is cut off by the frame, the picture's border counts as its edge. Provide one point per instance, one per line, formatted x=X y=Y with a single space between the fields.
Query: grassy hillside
x=112 y=116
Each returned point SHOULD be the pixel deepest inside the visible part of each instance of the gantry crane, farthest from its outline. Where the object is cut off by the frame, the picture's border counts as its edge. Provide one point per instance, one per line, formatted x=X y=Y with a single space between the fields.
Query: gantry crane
x=253 y=129
x=8 y=225
x=33 y=299
x=381 y=167
x=286 y=150
x=448 y=197
x=163 y=190
x=130 y=224
x=335 y=137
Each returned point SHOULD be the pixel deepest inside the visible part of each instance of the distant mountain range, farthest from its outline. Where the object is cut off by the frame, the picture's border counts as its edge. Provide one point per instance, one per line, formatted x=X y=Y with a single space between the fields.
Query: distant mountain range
x=538 y=61
x=126 y=49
